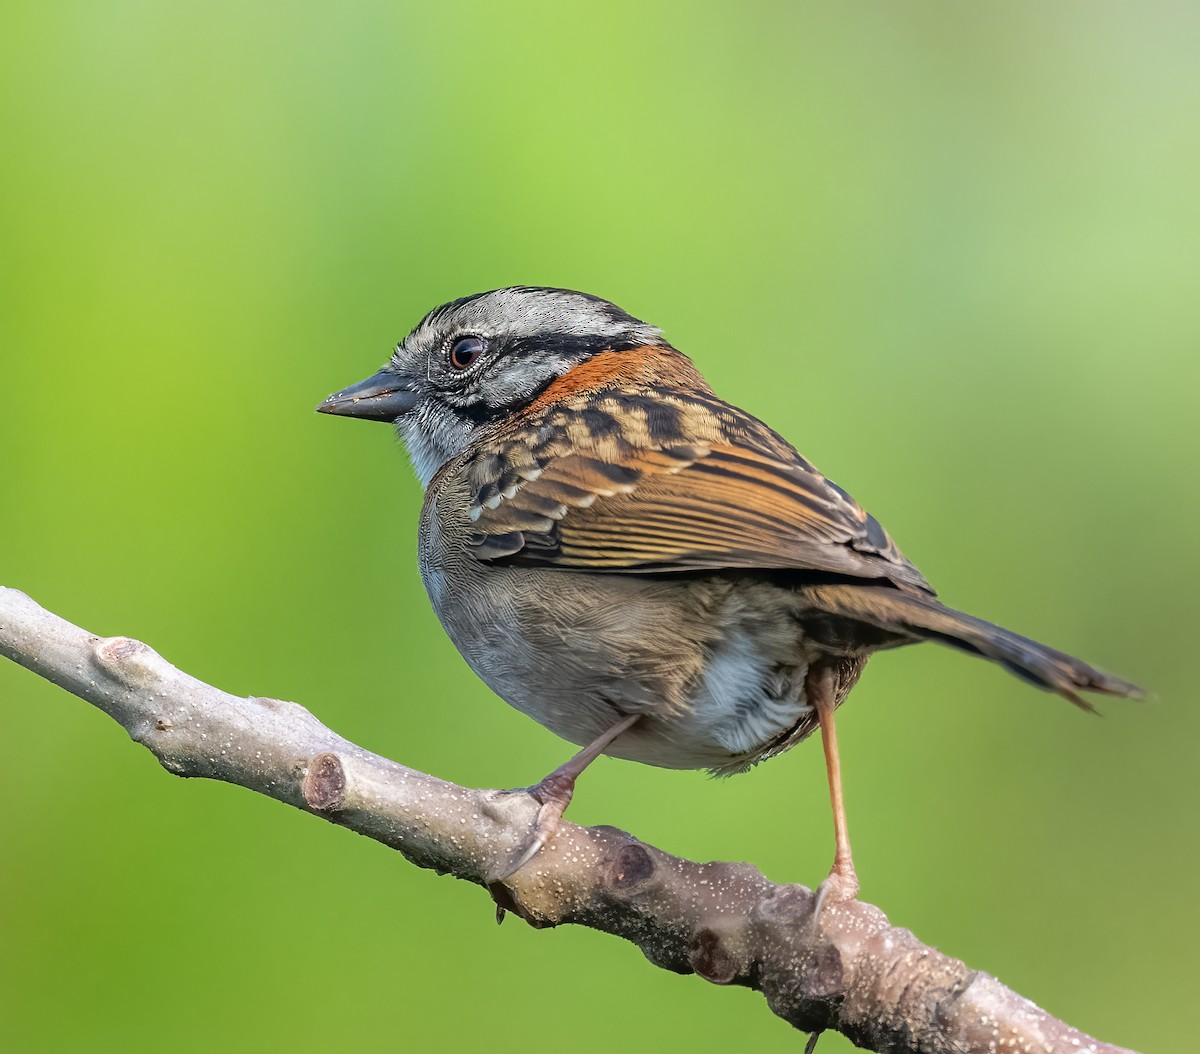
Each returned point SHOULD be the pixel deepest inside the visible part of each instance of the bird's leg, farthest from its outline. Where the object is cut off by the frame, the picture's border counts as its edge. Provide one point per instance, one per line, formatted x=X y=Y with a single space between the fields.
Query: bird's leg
x=842 y=882
x=554 y=792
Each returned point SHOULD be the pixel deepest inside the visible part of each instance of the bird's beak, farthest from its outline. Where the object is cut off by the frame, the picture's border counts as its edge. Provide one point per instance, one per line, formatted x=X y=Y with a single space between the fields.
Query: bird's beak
x=384 y=397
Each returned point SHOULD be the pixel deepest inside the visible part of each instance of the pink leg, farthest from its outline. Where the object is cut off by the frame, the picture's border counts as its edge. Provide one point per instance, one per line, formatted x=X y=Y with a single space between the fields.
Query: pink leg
x=842 y=882
x=554 y=793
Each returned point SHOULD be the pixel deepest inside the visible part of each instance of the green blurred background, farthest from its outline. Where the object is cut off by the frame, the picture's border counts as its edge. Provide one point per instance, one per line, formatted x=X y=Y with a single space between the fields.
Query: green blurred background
x=950 y=250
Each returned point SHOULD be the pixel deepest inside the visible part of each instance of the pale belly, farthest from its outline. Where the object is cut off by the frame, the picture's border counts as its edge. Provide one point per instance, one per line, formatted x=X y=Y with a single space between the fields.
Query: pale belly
x=717 y=671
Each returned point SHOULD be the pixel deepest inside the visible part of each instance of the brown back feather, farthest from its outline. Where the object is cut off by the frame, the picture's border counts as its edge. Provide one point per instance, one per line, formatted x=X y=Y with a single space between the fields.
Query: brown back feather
x=630 y=464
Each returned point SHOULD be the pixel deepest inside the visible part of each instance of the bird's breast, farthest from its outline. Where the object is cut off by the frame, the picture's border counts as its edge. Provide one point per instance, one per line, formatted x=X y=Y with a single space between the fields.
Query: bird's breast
x=715 y=665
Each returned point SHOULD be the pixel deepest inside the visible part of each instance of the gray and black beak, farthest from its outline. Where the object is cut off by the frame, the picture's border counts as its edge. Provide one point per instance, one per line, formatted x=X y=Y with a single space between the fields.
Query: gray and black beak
x=386 y=396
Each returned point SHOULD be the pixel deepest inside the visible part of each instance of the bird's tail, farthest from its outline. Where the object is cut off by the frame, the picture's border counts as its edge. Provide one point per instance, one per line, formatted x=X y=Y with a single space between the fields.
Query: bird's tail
x=924 y=618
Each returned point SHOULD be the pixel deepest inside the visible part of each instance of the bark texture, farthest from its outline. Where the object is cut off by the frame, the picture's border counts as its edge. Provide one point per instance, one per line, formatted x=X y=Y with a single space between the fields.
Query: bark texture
x=850 y=970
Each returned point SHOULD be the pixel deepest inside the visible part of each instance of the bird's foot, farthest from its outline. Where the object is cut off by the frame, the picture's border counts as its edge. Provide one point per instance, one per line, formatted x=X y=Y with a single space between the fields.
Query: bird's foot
x=553 y=795
x=840 y=886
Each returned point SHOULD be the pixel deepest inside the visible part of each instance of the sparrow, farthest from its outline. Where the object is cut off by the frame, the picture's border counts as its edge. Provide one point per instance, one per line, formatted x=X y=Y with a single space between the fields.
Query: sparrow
x=643 y=568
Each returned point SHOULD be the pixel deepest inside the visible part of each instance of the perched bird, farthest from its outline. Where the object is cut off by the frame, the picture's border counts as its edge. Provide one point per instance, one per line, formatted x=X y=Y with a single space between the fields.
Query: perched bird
x=636 y=564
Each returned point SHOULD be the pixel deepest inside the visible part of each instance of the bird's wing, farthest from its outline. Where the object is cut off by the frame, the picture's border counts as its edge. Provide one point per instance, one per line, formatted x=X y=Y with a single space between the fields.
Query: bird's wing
x=622 y=490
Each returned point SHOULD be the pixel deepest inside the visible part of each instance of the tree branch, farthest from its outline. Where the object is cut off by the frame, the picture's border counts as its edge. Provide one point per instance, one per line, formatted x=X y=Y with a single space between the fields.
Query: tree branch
x=875 y=983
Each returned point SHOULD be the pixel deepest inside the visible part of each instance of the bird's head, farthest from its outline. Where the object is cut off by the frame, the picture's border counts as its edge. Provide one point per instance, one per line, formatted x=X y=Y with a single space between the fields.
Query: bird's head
x=476 y=360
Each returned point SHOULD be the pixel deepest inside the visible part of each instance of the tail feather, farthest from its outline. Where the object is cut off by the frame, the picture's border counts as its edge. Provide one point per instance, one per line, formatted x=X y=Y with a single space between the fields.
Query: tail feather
x=924 y=618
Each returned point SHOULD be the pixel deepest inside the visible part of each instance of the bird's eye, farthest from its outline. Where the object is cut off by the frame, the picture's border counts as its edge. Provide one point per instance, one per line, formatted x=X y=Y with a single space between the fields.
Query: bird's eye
x=465 y=352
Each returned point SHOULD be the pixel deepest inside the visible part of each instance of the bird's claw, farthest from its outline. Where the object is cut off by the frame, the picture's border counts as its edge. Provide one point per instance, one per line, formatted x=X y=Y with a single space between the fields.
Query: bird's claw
x=840 y=886
x=553 y=795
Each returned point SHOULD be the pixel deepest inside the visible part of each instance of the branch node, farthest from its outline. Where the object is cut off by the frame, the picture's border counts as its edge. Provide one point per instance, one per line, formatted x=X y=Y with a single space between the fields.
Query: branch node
x=123 y=657
x=711 y=959
x=826 y=976
x=631 y=867
x=324 y=784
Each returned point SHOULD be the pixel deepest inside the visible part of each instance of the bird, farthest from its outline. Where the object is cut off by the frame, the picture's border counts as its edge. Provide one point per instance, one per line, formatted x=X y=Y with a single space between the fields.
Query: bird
x=645 y=569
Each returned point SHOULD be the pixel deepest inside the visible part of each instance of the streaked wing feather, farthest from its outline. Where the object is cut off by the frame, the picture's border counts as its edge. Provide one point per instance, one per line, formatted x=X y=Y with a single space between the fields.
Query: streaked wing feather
x=746 y=502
